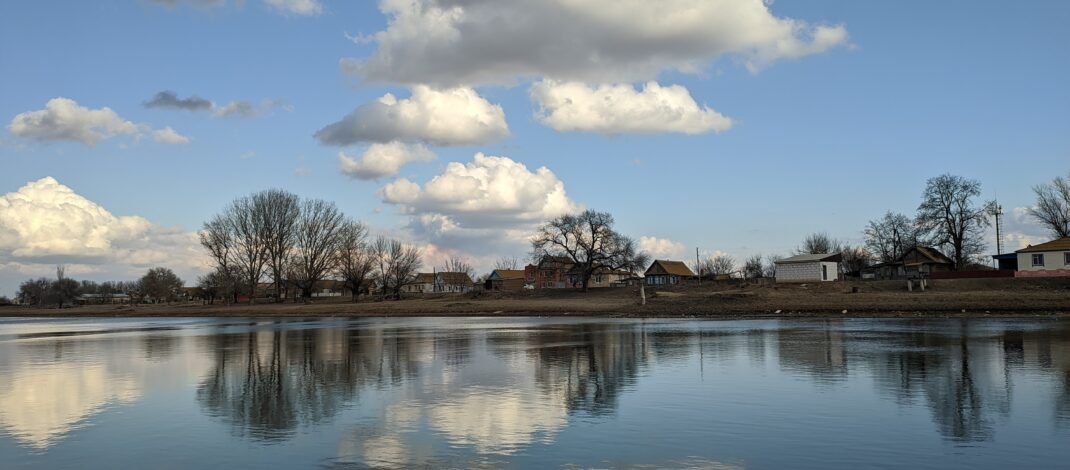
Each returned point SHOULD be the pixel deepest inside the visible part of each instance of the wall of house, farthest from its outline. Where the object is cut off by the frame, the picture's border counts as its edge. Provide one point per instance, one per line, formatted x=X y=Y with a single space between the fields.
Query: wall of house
x=1053 y=260
x=800 y=272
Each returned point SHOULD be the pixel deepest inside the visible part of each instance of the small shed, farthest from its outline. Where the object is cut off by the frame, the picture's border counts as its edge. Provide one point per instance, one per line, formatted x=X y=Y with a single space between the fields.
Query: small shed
x=809 y=268
x=665 y=272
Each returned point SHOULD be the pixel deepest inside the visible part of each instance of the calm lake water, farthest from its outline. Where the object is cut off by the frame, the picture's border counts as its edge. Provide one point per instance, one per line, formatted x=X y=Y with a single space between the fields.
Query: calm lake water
x=534 y=393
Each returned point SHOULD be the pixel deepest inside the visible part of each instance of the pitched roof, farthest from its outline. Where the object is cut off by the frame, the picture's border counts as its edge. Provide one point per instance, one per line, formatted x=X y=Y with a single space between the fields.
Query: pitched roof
x=505 y=274
x=425 y=278
x=1061 y=244
x=555 y=261
x=929 y=253
x=675 y=268
x=453 y=278
x=811 y=258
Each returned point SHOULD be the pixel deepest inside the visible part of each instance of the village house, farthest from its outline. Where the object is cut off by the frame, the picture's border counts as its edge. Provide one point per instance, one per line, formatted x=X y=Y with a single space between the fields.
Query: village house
x=423 y=284
x=1051 y=259
x=506 y=280
x=918 y=262
x=441 y=282
x=552 y=272
x=809 y=268
x=600 y=278
x=665 y=272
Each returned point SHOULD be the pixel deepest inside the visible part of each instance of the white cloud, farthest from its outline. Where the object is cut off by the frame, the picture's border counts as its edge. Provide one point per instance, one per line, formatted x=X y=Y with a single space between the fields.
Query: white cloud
x=169 y=136
x=619 y=109
x=455 y=116
x=64 y=119
x=296 y=7
x=45 y=223
x=662 y=248
x=382 y=160
x=489 y=205
x=455 y=42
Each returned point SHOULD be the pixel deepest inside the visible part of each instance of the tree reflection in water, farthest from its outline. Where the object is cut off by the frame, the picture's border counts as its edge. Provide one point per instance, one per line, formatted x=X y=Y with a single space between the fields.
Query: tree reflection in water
x=499 y=389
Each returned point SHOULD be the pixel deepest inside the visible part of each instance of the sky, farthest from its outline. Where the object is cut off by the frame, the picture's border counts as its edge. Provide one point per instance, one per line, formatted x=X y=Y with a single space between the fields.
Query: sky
x=731 y=126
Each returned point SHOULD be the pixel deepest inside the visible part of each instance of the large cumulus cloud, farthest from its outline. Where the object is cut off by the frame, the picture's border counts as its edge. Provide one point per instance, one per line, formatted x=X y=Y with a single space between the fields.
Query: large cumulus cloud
x=45 y=223
x=469 y=42
x=490 y=200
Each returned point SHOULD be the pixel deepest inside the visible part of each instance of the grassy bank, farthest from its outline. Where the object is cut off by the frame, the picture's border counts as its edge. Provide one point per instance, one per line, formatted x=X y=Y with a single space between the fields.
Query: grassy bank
x=971 y=297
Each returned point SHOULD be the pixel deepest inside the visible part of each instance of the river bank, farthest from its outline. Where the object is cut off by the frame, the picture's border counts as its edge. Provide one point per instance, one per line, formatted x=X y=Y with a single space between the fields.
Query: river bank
x=960 y=297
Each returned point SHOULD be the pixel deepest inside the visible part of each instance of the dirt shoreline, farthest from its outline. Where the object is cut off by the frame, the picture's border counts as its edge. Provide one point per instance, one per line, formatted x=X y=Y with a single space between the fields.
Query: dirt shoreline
x=944 y=298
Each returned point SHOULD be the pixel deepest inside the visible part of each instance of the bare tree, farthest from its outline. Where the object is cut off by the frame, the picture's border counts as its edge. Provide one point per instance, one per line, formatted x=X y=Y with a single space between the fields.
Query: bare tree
x=398 y=263
x=248 y=231
x=379 y=250
x=320 y=232
x=891 y=236
x=280 y=211
x=356 y=262
x=855 y=259
x=770 y=265
x=753 y=267
x=1052 y=209
x=951 y=219
x=717 y=265
x=588 y=239
x=507 y=263
x=818 y=243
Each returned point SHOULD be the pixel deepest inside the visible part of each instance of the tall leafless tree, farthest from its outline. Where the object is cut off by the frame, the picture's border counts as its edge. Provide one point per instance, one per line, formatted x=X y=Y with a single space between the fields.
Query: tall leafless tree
x=320 y=232
x=250 y=250
x=889 y=237
x=399 y=264
x=356 y=262
x=951 y=219
x=280 y=211
x=1052 y=209
x=217 y=237
x=588 y=239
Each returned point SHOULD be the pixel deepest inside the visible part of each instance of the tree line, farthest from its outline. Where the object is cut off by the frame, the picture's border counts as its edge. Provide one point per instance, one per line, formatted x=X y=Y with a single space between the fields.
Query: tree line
x=295 y=244
x=157 y=285
x=951 y=217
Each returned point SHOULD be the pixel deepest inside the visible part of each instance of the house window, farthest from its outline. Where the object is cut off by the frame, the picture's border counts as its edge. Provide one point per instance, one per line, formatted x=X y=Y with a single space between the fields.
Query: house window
x=1066 y=258
x=1038 y=259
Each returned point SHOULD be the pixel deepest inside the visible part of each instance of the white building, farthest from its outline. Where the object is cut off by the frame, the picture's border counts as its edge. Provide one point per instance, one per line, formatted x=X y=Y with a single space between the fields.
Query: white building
x=808 y=268
x=1051 y=259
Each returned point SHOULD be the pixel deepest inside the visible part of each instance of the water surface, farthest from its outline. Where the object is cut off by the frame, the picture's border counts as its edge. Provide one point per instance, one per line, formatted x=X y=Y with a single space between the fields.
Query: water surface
x=534 y=393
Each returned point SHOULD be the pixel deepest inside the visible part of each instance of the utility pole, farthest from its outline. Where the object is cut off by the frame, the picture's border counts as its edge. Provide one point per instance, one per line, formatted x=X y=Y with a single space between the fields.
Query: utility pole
x=698 y=266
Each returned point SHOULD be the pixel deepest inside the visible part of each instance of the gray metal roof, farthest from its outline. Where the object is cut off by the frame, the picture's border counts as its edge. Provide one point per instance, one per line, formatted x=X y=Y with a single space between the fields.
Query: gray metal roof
x=810 y=258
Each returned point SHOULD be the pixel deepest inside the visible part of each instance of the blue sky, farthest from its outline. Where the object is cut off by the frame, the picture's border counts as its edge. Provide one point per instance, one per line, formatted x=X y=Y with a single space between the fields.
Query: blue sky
x=820 y=142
